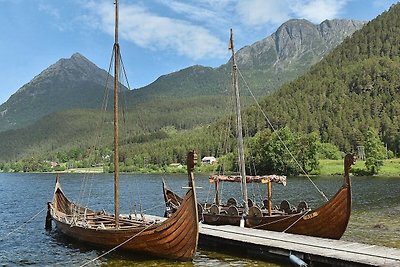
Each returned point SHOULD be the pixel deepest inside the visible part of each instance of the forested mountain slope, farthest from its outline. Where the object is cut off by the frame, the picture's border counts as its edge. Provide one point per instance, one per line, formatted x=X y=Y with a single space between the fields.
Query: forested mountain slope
x=355 y=87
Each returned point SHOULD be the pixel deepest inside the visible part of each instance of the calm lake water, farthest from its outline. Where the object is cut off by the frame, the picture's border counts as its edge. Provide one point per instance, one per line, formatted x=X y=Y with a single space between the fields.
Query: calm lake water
x=374 y=220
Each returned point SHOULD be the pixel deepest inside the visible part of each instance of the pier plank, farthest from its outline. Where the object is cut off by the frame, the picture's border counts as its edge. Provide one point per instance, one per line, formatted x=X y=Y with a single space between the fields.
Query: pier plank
x=348 y=253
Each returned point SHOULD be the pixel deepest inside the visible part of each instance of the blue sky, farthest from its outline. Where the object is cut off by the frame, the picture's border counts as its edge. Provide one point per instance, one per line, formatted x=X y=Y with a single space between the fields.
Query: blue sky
x=157 y=37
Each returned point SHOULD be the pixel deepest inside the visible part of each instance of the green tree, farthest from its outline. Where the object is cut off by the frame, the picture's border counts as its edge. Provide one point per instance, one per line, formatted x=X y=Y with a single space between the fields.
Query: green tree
x=374 y=152
x=329 y=151
x=227 y=163
x=16 y=166
x=271 y=156
x=6 y=167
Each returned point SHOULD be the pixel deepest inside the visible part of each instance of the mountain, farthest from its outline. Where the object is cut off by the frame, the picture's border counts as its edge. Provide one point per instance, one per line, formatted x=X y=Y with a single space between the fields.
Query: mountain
x=291 y=51
x=354 y=88
x=69 y=83
x=266 y=65
x=195 y=96
x=296 y=42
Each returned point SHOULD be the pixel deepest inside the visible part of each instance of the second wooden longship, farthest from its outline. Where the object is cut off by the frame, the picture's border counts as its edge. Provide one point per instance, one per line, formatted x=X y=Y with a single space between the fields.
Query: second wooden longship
x=327 y=221
x=175 y=238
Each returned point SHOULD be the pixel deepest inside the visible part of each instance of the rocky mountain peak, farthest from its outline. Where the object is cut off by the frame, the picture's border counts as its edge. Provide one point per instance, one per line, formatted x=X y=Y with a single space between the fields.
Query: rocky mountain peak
x=79 y=62
x=297 y=40
x=69 y=83
x=294 y=37
x=332 y=30
x=76 y=68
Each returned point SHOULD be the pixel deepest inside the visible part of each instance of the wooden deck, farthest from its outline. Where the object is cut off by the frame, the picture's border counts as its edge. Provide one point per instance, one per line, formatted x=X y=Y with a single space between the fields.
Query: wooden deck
x=268 y=245
x=274 y=245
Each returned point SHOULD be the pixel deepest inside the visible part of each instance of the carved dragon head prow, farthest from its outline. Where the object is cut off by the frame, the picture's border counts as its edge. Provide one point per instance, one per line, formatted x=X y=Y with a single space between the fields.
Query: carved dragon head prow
x=191 y=160
x=349 y=160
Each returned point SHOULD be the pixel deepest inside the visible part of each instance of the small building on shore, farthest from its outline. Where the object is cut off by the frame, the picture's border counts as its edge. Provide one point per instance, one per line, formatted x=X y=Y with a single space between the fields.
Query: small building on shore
x=209 y=160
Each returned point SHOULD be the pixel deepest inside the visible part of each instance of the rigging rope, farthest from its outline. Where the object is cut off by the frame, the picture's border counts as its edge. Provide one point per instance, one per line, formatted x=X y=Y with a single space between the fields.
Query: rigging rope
x=208 y=195
x=224 y=147
x=296 y=221
x=280 y=139
x=157 y=206
x=116 y=247
x=23 y=224
x=87 y=181
x=280 y=220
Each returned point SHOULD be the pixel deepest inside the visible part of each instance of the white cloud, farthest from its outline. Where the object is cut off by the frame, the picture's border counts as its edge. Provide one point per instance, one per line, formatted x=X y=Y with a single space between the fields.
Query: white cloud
x=194 y=12
x=50 y=10
x=213 y=15
x=259 y=12
x=55 y=16
x=192 y=28
x=276 y=12
x=156 y=32
x=318 y=10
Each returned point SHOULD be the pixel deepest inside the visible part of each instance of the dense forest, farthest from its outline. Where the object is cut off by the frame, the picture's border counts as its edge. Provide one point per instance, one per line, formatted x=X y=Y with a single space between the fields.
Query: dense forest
x=354 y=88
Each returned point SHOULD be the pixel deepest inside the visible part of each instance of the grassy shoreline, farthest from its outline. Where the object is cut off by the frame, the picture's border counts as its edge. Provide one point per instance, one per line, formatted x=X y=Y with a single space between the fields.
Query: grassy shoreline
x=391 y=167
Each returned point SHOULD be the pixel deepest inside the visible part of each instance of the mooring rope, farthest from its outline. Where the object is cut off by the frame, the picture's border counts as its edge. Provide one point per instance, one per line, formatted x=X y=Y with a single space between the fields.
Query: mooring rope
x=280 y=139
x=283 y=219
x=301 y=217
x=23 y=224
x=116 y=247
x=268 y=223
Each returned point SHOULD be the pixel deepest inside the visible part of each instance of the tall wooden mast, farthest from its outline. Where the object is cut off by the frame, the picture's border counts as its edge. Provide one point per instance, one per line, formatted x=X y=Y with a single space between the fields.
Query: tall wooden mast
x=116 y=120
x=235 y=84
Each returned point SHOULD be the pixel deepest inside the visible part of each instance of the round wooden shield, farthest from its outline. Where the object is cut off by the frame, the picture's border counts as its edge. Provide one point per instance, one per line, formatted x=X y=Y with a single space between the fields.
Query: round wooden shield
x=302 y=206
x=250 y=202
x=255 y=212
x=231 y=202
x=233 y=211
x=265 y=203
x=214 y=209
x=285 y=206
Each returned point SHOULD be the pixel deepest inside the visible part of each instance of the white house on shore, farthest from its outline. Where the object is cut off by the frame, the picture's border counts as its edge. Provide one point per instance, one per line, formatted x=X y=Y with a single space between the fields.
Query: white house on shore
x=208 y=160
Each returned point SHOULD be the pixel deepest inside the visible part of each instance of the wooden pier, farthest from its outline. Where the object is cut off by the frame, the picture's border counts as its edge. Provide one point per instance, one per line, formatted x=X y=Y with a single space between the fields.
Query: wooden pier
x=277 y=246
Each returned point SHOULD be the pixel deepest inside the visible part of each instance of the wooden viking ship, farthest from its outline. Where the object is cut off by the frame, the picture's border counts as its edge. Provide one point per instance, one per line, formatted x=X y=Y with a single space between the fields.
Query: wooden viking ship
x=328 y=221
x=175 y=238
